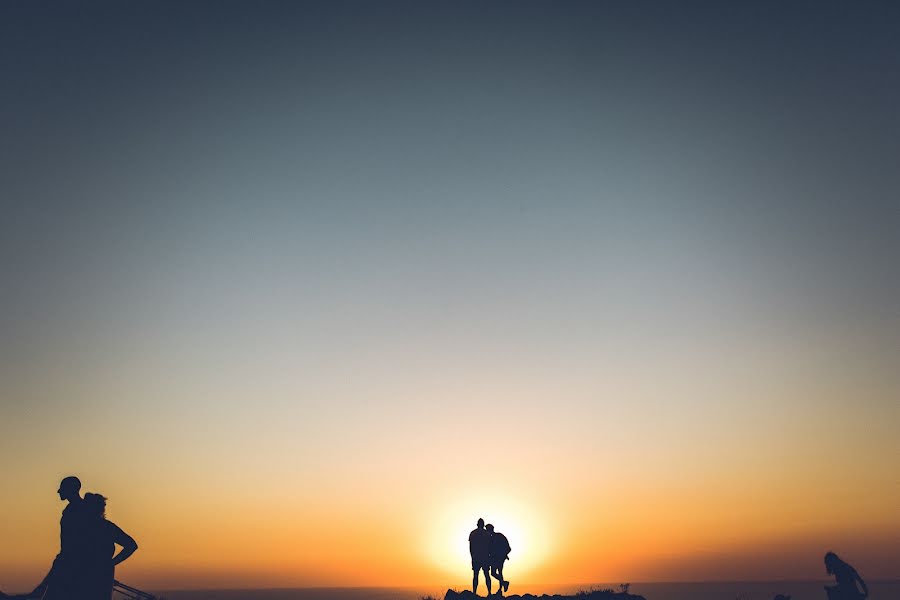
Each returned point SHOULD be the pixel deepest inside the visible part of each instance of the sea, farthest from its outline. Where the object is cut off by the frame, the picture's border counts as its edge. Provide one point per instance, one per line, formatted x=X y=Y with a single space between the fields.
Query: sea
x=731 y=590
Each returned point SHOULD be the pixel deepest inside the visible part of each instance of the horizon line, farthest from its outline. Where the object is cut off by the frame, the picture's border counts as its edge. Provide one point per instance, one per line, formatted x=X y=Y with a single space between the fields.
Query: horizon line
x=593 y=583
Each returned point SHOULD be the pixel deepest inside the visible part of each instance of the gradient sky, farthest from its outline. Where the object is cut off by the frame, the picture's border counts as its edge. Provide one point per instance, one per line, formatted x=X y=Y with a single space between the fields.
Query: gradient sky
x=307 y=288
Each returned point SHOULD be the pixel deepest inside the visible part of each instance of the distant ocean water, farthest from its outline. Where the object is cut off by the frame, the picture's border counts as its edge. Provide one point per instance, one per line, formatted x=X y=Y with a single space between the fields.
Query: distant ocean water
x=755 y=590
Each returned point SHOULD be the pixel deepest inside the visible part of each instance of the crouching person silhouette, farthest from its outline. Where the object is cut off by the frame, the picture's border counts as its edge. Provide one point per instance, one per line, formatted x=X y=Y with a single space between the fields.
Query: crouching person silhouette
x=846 y=578
x=499 y=553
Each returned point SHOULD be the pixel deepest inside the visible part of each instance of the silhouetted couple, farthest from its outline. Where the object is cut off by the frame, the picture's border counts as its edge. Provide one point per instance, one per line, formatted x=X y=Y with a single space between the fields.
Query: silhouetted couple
x=489 y=550
x=84 y=569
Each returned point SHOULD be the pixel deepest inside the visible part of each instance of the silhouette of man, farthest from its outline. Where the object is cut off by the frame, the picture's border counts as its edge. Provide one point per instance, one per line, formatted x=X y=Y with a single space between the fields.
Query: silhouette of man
x=63 y=580
x=71 y=523
x=479 y=549
x=498 y=551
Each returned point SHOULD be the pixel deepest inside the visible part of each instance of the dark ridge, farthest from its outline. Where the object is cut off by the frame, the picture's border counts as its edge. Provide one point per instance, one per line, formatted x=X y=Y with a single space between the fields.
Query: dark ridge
x=586 y=595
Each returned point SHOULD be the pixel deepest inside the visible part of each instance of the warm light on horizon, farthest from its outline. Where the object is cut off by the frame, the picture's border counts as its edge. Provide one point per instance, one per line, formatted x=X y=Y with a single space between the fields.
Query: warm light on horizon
x=530 y=532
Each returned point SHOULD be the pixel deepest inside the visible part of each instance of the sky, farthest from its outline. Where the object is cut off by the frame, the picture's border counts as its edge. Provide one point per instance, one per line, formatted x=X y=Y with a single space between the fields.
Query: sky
x=307 y=288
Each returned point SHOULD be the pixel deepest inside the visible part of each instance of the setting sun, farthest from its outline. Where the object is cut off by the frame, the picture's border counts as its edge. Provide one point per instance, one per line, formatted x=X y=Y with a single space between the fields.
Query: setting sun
x=528 y=530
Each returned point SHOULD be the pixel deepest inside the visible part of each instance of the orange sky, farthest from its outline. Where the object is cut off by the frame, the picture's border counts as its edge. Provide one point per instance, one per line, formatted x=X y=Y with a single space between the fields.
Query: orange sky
x=604 y=476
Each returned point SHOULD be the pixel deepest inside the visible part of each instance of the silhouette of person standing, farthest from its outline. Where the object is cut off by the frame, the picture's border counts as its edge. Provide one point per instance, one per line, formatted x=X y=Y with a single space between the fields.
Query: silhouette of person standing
x=84 y=569
x=846 y=577
x=499 y=553
x=63 y=582
x=103 y=536
x=479 y=550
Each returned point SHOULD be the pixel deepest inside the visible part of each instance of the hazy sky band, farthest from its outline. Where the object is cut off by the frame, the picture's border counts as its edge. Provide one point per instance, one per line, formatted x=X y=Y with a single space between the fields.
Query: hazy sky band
x=267 y=260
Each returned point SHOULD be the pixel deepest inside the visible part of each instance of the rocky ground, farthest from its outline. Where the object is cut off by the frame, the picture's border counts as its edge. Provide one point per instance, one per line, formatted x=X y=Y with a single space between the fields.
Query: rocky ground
x=588 y=595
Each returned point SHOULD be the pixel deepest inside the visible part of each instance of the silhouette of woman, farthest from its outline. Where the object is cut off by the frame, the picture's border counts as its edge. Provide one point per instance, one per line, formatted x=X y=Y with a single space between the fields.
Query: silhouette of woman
x=99 y=563
x=846 y=577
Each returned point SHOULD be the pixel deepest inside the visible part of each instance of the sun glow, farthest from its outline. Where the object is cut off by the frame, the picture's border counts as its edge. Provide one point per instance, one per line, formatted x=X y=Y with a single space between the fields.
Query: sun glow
x=527 y=531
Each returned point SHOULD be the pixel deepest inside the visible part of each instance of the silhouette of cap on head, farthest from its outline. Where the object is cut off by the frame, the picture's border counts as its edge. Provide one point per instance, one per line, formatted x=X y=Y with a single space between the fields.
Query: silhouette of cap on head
x=489 y=527
x=70 y=483
x=480 y=523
